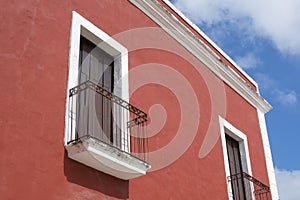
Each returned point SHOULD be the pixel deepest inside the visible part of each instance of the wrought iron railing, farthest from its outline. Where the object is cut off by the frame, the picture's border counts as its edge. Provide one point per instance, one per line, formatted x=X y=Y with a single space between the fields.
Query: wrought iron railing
x=246 y=187
x=97 y=113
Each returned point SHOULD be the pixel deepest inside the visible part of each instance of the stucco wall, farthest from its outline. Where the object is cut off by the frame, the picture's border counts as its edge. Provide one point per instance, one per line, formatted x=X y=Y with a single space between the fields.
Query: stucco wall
x=34 y=70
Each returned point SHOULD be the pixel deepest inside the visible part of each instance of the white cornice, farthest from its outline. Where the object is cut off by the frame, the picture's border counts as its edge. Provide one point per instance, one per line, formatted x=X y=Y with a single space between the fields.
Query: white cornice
x=200 y=50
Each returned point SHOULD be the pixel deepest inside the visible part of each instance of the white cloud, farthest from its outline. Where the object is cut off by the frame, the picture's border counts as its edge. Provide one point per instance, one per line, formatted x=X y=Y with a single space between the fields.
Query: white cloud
x=248 y=61
x=276 y=20
x=265 y=81
x=287 y=98
x=288 y=183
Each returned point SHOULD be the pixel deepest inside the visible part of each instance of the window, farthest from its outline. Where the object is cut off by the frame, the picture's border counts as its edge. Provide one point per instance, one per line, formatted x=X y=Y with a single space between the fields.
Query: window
x=103 y=130
x=236 y=161
x=235 y=166
x=98 y=58
x=240 y=183
x=96 y=66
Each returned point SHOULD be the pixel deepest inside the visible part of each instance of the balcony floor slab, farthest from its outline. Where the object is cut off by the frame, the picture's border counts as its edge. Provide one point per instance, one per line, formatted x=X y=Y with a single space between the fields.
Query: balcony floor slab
x=106 y=158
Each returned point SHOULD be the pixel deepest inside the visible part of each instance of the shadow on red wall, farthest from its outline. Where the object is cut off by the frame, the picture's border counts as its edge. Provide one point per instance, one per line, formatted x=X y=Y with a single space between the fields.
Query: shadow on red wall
x=87 y=177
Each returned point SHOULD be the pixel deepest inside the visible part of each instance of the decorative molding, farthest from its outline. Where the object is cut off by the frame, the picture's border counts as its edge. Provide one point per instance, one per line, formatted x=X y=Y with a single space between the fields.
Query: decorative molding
x=169 y=23
x=268 y=155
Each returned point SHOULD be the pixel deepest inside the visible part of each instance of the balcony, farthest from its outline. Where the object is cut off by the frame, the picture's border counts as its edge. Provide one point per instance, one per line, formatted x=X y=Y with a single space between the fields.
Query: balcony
x=246 y=187
x=106 y=132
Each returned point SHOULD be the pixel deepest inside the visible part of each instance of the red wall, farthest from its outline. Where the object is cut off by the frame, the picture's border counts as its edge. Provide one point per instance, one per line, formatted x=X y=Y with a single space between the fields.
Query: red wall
x=34 y=70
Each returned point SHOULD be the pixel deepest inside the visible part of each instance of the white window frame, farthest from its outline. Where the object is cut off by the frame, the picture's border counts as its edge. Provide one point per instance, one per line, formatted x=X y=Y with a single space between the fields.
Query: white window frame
x=230 y=130
x=82 y=27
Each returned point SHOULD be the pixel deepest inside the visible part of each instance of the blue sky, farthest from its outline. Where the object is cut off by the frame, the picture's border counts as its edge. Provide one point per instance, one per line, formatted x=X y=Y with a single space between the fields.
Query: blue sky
x=263 y=37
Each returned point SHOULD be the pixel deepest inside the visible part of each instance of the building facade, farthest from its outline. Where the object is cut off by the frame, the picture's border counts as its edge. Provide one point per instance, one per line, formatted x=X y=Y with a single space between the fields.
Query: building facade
x=125 y=100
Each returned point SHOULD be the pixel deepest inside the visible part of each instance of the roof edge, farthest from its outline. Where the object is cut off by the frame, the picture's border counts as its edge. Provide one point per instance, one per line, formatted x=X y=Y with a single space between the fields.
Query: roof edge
x=198 y=30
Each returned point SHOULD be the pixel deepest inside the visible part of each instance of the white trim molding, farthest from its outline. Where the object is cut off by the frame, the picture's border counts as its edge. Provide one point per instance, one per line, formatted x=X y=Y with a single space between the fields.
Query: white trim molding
x=268 y=155
x=229 y=129
x=171 y=25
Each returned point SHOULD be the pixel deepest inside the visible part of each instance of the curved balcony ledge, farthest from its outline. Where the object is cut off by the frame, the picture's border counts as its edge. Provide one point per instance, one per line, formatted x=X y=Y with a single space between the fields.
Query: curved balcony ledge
x=106 y=158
